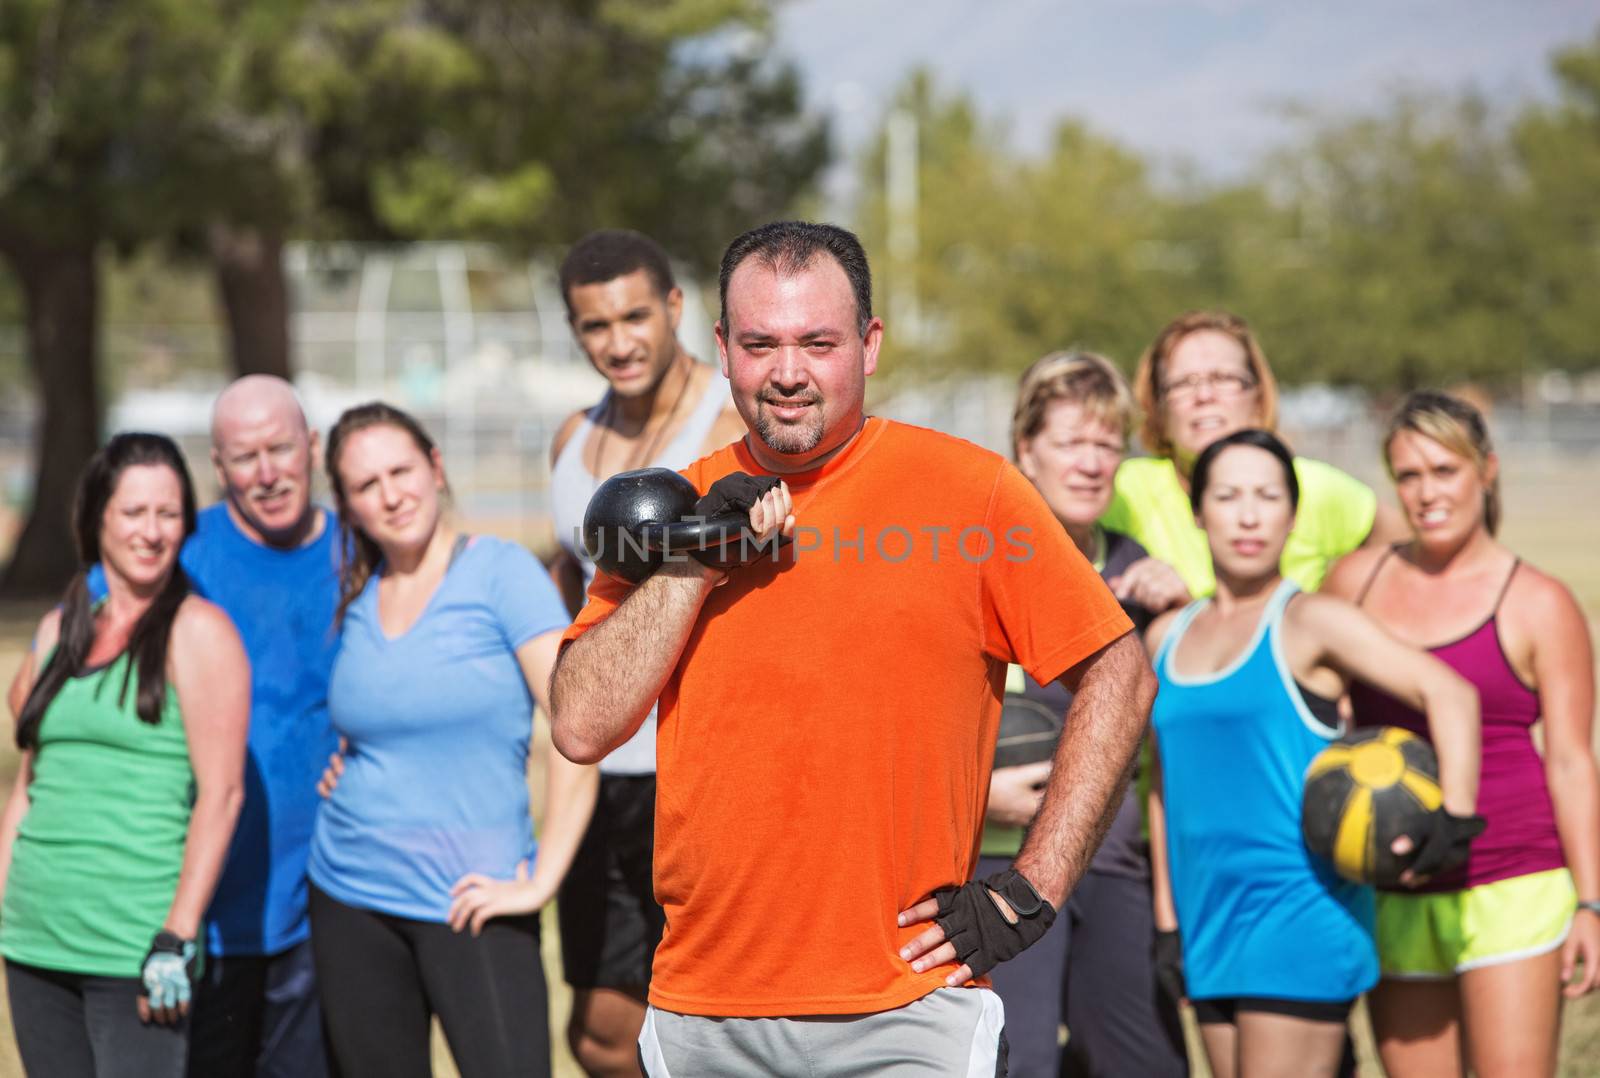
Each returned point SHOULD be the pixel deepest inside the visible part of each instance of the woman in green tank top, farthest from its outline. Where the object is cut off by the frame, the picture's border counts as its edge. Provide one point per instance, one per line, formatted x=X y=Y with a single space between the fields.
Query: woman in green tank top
x=131 y=715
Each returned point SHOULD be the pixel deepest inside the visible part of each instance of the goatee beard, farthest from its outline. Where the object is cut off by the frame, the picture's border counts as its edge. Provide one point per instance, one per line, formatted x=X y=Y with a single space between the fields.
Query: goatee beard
x=792 y=440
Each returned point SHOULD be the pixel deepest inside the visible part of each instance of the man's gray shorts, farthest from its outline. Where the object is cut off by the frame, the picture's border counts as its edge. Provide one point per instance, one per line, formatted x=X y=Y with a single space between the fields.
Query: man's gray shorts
x=954 y=1032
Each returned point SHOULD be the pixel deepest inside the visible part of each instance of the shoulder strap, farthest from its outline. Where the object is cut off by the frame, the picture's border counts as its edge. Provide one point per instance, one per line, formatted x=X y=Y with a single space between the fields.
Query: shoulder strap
x=1516 y=563
x=1286 y=590
x=461 y=544
x=1180 y=625
x=572 y=450
x=686 y=444
x=1372 y=579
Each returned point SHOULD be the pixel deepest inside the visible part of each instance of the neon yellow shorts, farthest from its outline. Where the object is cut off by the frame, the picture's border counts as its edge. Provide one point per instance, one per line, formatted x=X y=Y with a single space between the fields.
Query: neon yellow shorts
x=1428 y=937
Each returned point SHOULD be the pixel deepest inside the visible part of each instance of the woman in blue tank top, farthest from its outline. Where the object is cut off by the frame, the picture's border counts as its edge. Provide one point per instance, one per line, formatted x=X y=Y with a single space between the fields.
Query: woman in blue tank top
x=1275 y=947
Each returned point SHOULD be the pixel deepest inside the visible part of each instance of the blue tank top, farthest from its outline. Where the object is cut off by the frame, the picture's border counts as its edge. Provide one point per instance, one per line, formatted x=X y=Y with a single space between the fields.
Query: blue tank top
x=1258 y=914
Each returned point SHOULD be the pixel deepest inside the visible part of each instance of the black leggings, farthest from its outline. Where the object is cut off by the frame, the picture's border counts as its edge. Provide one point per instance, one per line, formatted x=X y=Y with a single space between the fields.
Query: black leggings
x=382 y=978
x=71 y=1025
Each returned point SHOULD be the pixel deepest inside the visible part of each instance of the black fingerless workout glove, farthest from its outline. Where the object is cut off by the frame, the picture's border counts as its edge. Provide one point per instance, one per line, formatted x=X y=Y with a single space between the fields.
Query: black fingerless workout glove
x=1168 y=955
x=976 y=928
x=734 y=494
x=1446 y=842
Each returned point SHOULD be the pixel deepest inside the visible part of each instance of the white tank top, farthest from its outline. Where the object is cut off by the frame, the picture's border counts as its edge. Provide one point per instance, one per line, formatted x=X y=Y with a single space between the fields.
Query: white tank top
x=571 y=487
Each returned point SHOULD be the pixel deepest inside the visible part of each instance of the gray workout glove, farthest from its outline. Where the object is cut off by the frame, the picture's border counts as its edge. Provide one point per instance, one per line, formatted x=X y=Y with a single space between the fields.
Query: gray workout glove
x=976 y=928
x=167 y=970
x=1446 y=844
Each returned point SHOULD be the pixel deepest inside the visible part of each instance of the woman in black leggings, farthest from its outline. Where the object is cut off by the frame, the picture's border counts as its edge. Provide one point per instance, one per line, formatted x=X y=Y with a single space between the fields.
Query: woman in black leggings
x=425 y=878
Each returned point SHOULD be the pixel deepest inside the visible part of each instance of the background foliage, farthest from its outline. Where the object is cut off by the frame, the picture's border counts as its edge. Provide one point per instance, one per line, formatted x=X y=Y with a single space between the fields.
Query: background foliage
x=1435 y=240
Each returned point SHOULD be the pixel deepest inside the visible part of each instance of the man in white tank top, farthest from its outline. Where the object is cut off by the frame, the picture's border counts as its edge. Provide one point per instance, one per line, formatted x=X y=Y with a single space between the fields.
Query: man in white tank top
x=662 y=409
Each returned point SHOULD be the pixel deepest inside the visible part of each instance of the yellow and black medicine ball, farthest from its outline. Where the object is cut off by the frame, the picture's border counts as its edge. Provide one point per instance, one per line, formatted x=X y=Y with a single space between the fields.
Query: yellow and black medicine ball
x=1364 y=791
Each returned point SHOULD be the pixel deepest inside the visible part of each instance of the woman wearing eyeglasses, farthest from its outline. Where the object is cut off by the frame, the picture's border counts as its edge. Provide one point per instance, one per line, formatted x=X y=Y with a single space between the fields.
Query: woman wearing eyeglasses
x=1204 y=378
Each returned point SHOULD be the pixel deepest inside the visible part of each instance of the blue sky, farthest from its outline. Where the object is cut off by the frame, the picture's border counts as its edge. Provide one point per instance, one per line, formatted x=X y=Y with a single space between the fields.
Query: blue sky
x=1202 y=81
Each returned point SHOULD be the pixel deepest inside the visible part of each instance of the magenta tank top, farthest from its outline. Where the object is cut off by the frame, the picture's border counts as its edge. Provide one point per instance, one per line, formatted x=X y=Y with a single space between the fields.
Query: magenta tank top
x=1512 y=795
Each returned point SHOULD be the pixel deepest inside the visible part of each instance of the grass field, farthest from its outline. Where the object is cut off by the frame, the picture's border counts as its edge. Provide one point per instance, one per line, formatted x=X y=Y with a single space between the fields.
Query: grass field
x=1547 y=520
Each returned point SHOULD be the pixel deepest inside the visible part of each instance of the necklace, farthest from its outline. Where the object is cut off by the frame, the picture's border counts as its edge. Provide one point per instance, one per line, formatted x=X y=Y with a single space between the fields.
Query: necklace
x=632 y=460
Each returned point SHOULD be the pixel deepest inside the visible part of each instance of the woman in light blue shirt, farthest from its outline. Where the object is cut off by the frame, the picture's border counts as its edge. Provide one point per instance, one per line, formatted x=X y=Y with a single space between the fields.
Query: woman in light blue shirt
x=425 y=878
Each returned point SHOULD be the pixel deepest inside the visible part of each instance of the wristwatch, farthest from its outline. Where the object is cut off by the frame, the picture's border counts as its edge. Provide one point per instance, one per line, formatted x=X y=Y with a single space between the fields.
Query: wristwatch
x=169 y=941
x=1593 y=906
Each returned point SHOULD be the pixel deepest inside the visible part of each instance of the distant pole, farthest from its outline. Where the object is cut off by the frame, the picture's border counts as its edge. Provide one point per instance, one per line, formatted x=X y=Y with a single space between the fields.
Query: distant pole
x=900 y=182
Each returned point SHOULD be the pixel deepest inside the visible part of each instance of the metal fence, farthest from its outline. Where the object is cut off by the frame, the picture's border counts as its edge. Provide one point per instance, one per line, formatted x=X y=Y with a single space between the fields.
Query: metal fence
x=478 y=347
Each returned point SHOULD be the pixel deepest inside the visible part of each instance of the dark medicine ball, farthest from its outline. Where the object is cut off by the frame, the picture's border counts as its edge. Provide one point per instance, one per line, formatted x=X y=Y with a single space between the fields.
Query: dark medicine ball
x=1364 y=791
x=1028 y=732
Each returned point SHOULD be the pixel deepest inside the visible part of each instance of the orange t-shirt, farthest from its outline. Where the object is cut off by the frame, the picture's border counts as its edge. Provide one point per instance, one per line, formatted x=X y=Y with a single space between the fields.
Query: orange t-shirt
x=824 y=745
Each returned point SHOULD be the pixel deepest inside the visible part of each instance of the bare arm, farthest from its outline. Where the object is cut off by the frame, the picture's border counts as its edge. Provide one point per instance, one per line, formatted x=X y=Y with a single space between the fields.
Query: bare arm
x=212 y=677
x=16 y=809
x=1105 y=724
x=1359 y=648
x=22 y=683
x=1563 y=663
x=1015 y=793
x=1113 y=690
x=570 y=788
x=44 y=638
x=564 y=568
x=1166 y=911
x=569 y=800
x=1151 y=583
x=606 y=680
x=1563 y=667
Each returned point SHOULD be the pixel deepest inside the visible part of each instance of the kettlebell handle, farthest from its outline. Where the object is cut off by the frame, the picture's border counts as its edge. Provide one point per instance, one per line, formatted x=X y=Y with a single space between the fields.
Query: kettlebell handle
x=685 y=536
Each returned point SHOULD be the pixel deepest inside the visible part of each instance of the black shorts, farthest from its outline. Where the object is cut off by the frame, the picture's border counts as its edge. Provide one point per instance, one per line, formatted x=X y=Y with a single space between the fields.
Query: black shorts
x=1211 y=1011
x=610 y=923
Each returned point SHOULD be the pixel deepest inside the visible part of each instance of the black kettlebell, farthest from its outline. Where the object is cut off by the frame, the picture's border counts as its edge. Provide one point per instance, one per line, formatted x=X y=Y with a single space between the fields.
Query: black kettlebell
x=635 y=518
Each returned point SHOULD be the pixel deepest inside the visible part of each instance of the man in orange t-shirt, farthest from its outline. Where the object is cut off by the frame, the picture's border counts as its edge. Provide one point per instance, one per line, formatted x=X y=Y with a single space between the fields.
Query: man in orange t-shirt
x=828 y=711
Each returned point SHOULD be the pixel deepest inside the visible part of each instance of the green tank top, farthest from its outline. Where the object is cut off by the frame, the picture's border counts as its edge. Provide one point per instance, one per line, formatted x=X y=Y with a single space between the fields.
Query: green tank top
x=97 y=855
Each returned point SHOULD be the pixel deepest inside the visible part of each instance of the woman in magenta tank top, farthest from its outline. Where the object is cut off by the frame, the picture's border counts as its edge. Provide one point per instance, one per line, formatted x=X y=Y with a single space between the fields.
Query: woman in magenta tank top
x=1482 y=950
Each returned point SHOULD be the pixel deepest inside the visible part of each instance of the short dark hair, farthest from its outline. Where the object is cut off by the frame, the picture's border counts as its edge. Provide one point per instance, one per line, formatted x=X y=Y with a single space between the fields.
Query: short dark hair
x=1258 y=439
x=788 y=247
x=609 y=253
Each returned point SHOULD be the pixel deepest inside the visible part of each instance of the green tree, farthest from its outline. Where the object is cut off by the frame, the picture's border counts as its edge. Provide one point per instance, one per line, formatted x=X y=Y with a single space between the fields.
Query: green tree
x=221 y=128
x=100 y=131
x=523 y=124
x=1559 y=148
x=1019 y=255
x=1398 y=259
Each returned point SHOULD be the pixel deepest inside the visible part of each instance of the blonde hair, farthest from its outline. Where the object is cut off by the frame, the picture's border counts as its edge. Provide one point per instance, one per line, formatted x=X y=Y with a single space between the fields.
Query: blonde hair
x=1083 y=378
x=1457 y=426
x=1147 y=378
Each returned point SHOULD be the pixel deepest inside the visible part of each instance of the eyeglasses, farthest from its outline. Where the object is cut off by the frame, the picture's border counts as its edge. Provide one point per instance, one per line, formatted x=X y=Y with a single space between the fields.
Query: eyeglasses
x=1222 y=383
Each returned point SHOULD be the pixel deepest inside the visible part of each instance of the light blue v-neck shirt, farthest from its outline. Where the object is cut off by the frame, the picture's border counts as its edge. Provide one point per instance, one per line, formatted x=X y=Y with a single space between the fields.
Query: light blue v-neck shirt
x=438 y=721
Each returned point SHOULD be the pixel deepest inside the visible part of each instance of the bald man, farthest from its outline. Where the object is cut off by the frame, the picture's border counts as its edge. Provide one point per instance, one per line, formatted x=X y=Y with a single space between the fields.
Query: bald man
x=268 y=555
